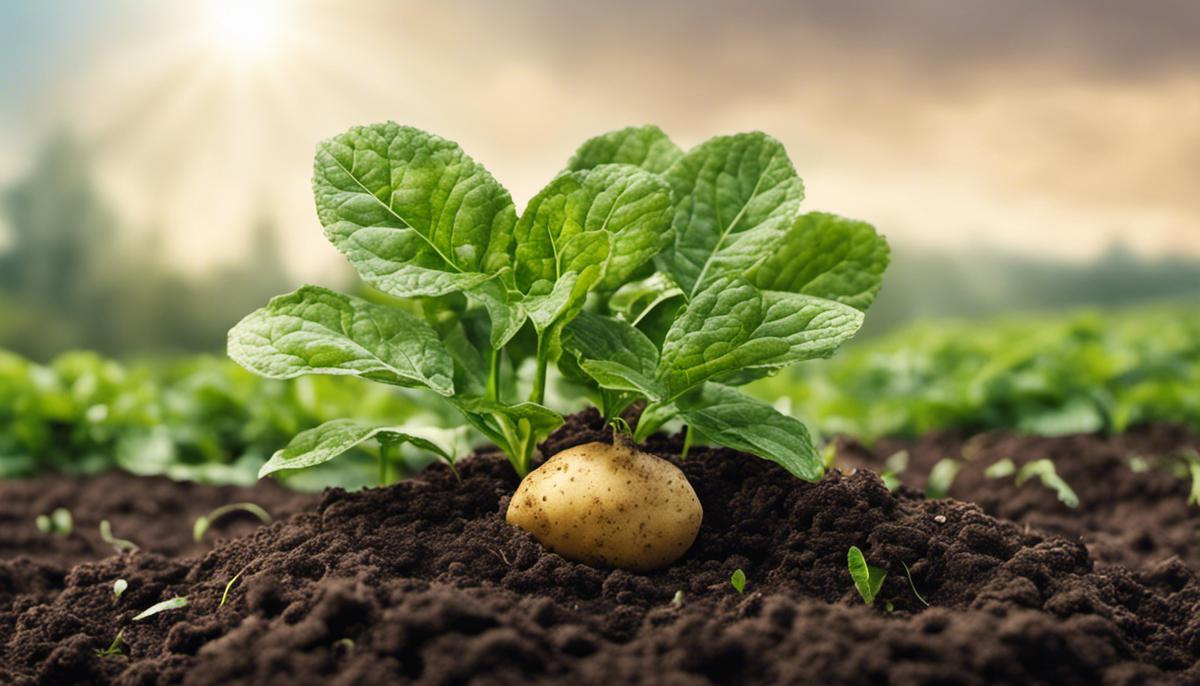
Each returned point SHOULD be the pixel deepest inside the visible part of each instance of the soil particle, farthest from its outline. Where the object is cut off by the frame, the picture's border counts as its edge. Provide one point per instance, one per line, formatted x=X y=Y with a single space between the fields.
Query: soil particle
x=423 y=582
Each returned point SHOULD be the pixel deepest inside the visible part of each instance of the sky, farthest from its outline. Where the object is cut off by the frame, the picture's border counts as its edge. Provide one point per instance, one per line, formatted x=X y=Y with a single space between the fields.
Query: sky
x=1048 y=128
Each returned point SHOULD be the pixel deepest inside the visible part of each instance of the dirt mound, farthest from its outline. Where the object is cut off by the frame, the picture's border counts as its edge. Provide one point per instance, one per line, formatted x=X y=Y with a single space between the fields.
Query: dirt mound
x=423 y=582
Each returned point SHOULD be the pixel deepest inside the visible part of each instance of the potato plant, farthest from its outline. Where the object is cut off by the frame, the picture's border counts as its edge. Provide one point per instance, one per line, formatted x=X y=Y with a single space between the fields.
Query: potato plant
x=640 y=272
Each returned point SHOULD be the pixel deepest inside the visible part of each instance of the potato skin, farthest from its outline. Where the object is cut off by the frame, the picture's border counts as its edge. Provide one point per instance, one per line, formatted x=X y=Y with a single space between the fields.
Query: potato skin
x=609 y=505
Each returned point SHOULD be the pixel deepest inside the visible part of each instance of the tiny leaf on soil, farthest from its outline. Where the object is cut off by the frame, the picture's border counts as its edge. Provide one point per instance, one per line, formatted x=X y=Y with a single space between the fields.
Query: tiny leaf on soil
x=941 y=477
x=738 y=581
x=1044 y=470
x=119 y=587
x=120 y=544
x=114 y=649
x=867 y=578
x=172 y=604
x=202 y=523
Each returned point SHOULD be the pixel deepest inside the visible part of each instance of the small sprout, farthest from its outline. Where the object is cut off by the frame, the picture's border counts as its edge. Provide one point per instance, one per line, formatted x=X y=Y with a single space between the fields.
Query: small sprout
x=202 y=524
x=59 y=522
x=941 y=477
x=347 y=643
x=114 y=648
x=1191 y=460
x=1000 y=469
x=63 y=522
x=172 y=604
x=893 y=467
x=677 y=601
x=738 y=581
x=225 y=594
x=913 y=586
x=119 y=587
x=1044 y=470
x=889 y=607
x=829 y=455
x=1138 y=464
x=119 y=544
x=867 y=578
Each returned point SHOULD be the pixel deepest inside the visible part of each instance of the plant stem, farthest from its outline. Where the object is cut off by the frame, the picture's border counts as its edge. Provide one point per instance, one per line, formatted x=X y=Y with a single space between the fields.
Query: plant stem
x=493 y=387
x=538 y=394
x=687 y=443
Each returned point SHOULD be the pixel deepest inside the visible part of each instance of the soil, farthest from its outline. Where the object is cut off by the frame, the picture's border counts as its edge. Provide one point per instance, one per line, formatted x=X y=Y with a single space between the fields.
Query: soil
x=423 y=582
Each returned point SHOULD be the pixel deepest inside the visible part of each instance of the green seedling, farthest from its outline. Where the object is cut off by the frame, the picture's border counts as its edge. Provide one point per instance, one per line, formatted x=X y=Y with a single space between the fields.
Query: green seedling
x=172 y=604
x=641 y=274
x=1000 y=469
x=225 y=593
x=114 y=649
x=119 y=544
x=202 y=523
x=912 y=585
x=738 y=581
x=1188 y=462
x=59 y=522
x=119 y=587
x=941 y=477
x=1044 y=471
x=867 y=578
x=677 y=601
x=893 y=467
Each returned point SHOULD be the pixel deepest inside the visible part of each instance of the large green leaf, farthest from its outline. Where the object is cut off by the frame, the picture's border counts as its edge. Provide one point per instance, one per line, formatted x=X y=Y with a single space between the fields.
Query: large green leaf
x=827 y=256
x=327 y=441
x=733 y=326
x=413 y=213
x=726 y=417
x=601 y=225
x=614 y=354
x=735 y=197
x=317 y=331
x=642 y=146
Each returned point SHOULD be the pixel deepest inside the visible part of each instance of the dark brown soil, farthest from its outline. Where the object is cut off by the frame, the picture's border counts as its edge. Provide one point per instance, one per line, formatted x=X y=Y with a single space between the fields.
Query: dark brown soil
x=423 y=582
x=1135 y=519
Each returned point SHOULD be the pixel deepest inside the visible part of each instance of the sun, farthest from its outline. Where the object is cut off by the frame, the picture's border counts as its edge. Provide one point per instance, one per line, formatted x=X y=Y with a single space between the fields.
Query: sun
x=244 y=30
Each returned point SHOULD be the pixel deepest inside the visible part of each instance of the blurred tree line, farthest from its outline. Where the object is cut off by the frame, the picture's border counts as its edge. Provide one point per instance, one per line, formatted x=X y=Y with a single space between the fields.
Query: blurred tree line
x=71 y=277
x=921 y=284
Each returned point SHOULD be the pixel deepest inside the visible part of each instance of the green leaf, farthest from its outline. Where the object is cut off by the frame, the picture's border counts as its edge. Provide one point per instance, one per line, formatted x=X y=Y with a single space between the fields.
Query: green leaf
x=325 y=442
x=726 y=417
x=653 y=418
x=601 y=225
x=614 y=354
x=867 y=579
x=738 y=581
x=202 y=523
x=826 y=256
x=733 y=326
x=172 y=604
x=1044 y=470
x=642 y=146
x=495 y=420
x=318 y=331
x=941 y=477
x=633 y=301
x=119 y=587
x=411 y=211
x=736 y=196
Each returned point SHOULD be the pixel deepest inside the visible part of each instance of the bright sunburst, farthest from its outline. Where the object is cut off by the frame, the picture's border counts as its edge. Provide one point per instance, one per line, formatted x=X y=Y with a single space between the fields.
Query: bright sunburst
x=244 y=29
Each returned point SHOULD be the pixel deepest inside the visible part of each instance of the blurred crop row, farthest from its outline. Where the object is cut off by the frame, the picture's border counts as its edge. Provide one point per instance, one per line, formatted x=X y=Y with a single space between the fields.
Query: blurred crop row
x=1042 y=374
x=203 y=418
